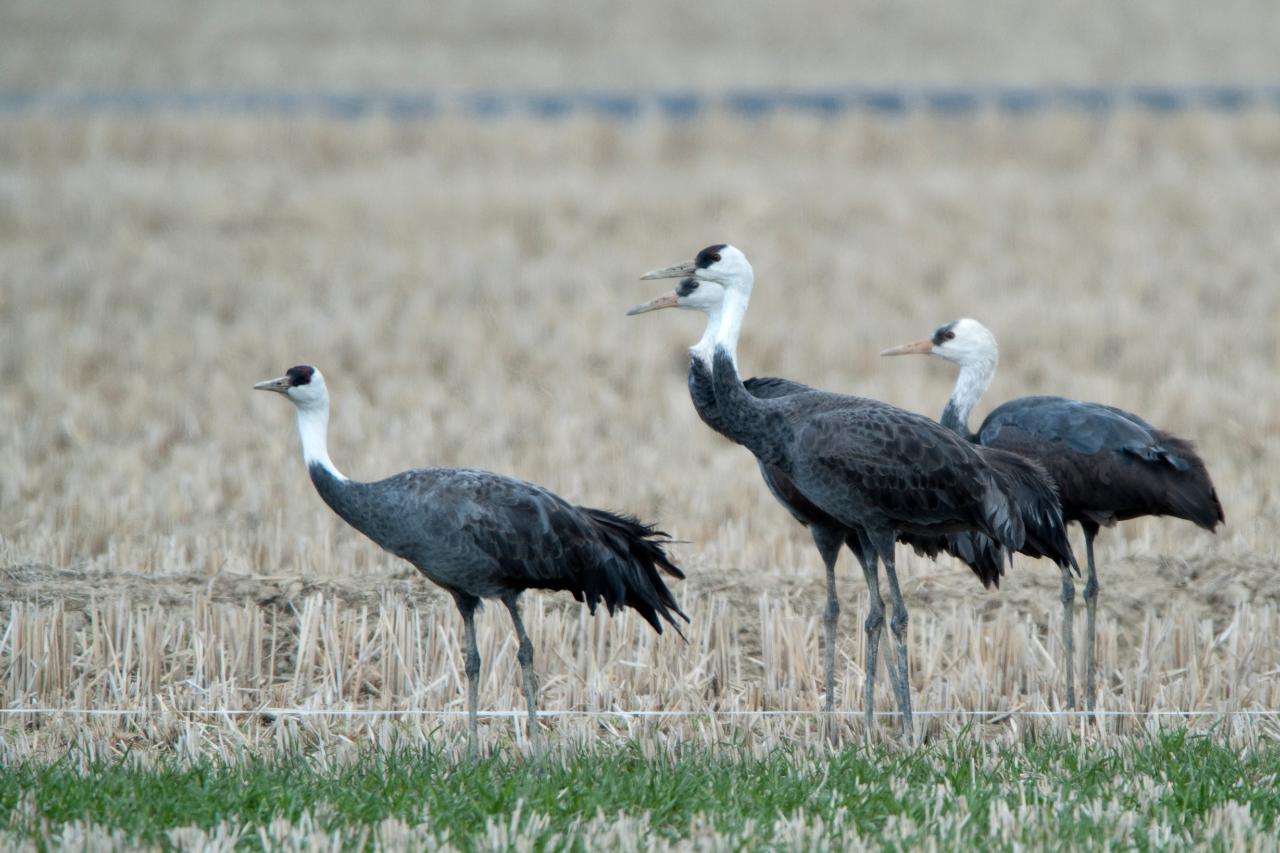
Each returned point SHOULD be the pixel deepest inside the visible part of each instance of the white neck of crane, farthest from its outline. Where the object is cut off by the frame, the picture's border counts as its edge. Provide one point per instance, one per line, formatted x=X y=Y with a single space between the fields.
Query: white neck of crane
x=973 y=381
x=705 y=348
x=313 y=426
x=733 y=311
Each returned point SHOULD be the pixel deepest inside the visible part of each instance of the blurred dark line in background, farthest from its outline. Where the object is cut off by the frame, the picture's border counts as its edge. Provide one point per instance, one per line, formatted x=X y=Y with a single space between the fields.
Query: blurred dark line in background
x=622 y=105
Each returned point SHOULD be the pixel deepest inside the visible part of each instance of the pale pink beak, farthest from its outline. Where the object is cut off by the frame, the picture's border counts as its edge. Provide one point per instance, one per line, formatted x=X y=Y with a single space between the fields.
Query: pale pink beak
x=666 y=300
x=922 y=347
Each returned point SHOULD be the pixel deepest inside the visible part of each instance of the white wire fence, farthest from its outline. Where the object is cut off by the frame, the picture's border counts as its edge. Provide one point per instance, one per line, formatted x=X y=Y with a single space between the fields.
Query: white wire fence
x=341 y=713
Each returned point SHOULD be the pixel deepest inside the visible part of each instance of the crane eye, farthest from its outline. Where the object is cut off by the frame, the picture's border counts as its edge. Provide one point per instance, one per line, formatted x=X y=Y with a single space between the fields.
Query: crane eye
x=948 y=335
x=714 y=257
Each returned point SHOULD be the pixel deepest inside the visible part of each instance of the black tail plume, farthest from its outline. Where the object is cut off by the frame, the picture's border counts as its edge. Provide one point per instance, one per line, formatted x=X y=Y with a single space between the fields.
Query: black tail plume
x=637 y=557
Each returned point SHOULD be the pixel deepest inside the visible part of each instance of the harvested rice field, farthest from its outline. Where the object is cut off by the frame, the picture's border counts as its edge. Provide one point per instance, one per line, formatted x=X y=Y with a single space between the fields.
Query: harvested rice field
x=195 y=653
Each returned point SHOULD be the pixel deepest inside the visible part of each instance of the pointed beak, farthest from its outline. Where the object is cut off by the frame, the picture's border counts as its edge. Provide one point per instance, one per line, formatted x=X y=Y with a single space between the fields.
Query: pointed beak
x=280 y=385
x=678 y=271
x=666 y=300
x=922 y=347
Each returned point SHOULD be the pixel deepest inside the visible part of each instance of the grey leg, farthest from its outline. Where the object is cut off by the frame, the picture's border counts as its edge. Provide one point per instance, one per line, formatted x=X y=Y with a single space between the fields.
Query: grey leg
x=829 y=543
x=873 y=627
x=1090 y=606
x=525 y=656
x=898 y=625
x=471 y=665
x=1068 y=633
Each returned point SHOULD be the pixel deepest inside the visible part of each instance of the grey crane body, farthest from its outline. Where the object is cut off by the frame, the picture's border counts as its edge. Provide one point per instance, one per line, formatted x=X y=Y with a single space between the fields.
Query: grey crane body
x=1108 y=465
x=484 y=535
x=480 y=535
x=869 y=464
x=828 y=533
x=875 y=469
x=981 y=554
x=854 y=470
x=421 y=516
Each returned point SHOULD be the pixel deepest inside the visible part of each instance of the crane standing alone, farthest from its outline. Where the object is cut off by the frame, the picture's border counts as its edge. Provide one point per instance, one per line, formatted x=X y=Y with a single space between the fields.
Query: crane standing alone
x=481 y=535
x=1109 y=465
x=872 y=468
x=980 y=553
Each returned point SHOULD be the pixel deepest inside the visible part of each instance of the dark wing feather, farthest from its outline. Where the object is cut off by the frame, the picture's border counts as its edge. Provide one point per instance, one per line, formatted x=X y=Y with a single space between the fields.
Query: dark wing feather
x=1034 y=493
x=983 y=556
x=858 y=458
x=772 y=387
x=1085 y=427
x=1108 y=464
x=978 y=552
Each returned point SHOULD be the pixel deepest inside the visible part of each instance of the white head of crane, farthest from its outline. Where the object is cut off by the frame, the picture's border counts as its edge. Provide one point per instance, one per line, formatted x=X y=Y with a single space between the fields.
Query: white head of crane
x=718 y=283
x=968 y=344
x=305 y=388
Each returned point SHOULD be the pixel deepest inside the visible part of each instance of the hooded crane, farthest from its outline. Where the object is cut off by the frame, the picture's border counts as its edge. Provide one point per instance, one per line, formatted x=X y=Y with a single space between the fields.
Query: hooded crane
x=718 y=283
x=1109 y=465
x=983 y=556
x=481 y=535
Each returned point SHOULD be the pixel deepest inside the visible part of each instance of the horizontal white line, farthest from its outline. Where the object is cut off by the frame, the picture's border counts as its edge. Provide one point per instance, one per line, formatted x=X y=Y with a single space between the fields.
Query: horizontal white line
x=338 y=712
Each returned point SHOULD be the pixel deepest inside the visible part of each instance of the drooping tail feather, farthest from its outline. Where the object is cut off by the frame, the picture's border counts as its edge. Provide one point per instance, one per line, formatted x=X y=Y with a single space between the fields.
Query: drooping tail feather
x=1034 y=499
x=1022 y=513
x=1187 y=490
x=1003 y=520
x=978 y=552
x=636 y=557
x=984 y=556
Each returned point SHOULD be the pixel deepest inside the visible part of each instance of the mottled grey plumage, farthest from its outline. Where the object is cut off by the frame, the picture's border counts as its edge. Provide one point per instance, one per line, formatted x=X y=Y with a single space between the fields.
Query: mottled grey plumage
x=854 y=469
x=1108 y=465
x=980 y=553
x=878 y=469
x=481 y=535
x=870 y=464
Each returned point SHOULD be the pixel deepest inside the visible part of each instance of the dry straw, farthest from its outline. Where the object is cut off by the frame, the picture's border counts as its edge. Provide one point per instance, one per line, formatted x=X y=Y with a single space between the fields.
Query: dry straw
x=462 y=286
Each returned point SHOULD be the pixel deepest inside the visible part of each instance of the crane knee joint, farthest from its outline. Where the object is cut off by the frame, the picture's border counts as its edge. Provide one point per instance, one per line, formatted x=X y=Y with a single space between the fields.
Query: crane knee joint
x=472 y=664
x=525 y=653
x=899 y=623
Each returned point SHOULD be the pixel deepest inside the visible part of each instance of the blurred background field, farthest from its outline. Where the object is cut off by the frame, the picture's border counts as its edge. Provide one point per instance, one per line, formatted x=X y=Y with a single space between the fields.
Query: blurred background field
x=462 y=282
x=717 y=44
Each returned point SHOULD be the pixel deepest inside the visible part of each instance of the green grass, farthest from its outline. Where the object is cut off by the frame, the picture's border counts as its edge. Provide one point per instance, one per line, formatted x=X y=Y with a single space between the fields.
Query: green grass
x=1174 y=789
